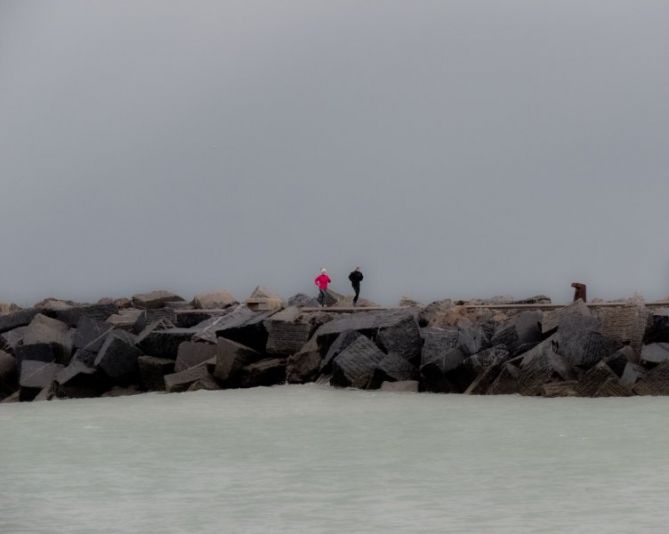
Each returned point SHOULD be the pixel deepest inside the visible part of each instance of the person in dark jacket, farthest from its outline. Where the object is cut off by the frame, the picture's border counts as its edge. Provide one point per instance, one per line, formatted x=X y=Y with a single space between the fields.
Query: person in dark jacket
x=356 y=277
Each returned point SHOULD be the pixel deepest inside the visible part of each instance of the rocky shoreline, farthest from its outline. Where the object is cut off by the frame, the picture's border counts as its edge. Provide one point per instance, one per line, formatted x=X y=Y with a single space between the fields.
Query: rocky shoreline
x=159 y=342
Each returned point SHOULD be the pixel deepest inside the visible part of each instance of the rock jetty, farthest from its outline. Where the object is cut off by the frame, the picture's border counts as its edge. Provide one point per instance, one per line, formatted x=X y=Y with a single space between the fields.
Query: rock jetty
x=158 y=341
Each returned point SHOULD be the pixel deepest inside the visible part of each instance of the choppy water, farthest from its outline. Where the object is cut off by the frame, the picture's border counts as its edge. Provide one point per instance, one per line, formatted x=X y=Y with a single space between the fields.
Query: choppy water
x=310 y=459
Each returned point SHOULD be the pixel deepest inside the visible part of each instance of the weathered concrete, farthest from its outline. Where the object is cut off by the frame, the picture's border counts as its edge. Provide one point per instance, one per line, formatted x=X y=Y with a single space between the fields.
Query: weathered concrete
x=214 y=300
x=355 y=365
x=91 y=334
x=231 y=358
x=14 y=320
x=183 y=380
x=37 y=375
x=118 y=356
x=287 y=333
x=191 y=354
x=655 y=353
x=152 y=372
x=163 y=342
x=304 y=365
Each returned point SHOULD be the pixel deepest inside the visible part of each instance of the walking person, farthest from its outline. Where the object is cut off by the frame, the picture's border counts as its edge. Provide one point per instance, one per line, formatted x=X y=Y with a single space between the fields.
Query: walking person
x=356 y=277
x=322 y=281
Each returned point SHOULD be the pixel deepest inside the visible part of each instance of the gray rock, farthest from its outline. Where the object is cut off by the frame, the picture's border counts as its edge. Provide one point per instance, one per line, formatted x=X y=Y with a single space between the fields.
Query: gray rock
x=286 y=333
x=182 y=380
x=482 y=383
x=619 y=360
x=125 y=319
x=41 y=352
x=165 y=317
x=403 y=338
x=594 y=379
x=8 y=373
x=154 y=299
x=242 y=325
x=304 y=365
x=440 y=355
x=266 y=372
x=71 y=316
x=156 y=340
x=118 y=356
x=655 y=353
x=551 y=320
x=393 y=368
x=656 y=381
x=37 y=374
x=208 y=383
x=340 y=344
x=506 y=382
x=191 y=354
x=47 y=393
x=214 y=300
x=231 y=358
x=473 y=367
x=409 y=386
x=12 y=339
x=541 y=365
x=366 y=323
x=632 y=374
x=472 y=339
x=355 y=366
x=657 y=330
x=91 y=334
x=44 y=330
x=613 y=388
x=560 y=389
x=581 y=342
x=15 y=320
x=80 y=380
x=303 y=301
x=152 y=372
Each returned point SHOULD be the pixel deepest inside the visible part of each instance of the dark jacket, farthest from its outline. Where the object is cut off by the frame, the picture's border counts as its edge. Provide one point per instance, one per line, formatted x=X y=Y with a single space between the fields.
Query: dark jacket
x=355 y=277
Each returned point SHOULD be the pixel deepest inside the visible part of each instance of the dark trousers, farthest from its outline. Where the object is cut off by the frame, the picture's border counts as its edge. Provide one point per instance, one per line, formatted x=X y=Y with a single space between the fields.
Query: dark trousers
x=356 y=288
x=322 y=296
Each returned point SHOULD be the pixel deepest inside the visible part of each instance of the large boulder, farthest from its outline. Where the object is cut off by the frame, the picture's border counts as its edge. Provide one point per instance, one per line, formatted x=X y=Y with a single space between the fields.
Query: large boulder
x=166 y=317
x=242 y=325
x=156 y=340
x=403 y=338
x=367 y=323
x=182 y=380
x=287 y=332
x=91 y=334
x=118 y=356
x=581 y=341
x=657 y=330
x=594 y=379
x=476 y=365
x=214 y=300
x=300 y=300
x=11 y=339
x=192 y=353
x=7 y=373
x=655 y=353
x=506 y=382
x=266 y=372
x=125 y=319
x=632 y=374
x=441 y=354
x=303 y=366
x=355 y=366
x=40 y=352
x=37 y=375
x=551 y=319
x=656 y=381
x=155 y=299
x=340 y=344
x=231 y=358
x=81 y=380
x=393 y=368
x=14 y=320
x=73 y=314
x=541 y=365
x=262 y=299
x=152 y=372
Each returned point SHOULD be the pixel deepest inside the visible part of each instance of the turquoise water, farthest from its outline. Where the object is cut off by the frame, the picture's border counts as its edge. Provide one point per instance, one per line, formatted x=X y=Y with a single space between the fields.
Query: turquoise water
x=317 y=460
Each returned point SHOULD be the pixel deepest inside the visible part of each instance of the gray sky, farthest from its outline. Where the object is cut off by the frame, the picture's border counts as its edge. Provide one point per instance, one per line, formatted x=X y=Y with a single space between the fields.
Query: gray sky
x=452 y=148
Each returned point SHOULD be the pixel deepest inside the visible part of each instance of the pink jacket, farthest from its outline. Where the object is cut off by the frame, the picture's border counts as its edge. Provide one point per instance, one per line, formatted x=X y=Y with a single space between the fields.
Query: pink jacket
x=322 y=281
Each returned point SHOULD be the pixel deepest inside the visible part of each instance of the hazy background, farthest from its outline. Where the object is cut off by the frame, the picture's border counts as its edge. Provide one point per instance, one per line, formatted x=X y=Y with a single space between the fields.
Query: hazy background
x=452 y=148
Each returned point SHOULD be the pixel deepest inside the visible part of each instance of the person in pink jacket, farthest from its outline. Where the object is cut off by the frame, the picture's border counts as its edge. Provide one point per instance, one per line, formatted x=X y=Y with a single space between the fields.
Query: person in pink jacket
x=322 y=281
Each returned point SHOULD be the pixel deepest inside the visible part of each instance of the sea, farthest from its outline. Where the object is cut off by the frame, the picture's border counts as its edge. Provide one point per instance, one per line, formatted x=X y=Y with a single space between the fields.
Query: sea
x=312 y=459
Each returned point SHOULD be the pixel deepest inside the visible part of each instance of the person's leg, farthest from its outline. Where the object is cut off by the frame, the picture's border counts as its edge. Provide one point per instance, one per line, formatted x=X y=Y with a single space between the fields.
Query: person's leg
x=356 y=288
x=322 y=297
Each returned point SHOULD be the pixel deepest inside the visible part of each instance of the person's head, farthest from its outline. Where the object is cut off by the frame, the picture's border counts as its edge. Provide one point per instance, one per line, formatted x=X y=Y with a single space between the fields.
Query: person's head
x=324 y=271
x=357 y=267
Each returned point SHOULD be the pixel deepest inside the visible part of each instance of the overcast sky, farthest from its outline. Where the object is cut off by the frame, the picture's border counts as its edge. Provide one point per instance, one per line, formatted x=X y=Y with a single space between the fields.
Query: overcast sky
x=452 y=148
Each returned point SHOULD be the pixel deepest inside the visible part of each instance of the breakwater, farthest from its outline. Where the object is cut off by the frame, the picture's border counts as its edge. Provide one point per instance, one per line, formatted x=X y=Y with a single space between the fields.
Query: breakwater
x=160 y=342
